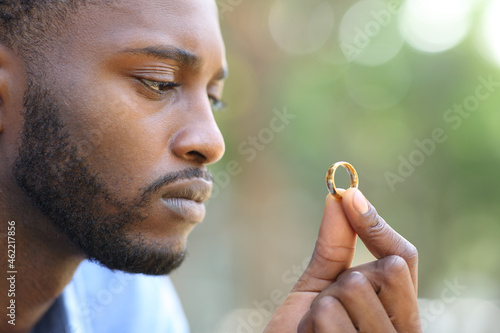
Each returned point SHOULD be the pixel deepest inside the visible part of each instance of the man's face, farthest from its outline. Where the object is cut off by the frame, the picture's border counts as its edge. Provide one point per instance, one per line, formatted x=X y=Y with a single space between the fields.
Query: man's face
x=119 y=127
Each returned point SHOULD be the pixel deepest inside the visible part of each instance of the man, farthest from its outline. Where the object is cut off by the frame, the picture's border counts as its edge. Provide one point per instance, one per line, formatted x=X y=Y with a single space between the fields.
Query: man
x=106 y=129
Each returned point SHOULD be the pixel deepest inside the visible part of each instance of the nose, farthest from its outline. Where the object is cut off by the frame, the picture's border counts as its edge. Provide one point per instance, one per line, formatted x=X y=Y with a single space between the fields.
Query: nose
x=199 y=140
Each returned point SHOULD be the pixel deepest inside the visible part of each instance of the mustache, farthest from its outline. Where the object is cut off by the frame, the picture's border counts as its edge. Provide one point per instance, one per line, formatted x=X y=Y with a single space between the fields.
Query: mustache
x=189 y=173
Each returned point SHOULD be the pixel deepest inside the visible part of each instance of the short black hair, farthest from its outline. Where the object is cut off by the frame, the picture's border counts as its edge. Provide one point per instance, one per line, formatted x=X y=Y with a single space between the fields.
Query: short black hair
x=27 y=26
x=24 y=20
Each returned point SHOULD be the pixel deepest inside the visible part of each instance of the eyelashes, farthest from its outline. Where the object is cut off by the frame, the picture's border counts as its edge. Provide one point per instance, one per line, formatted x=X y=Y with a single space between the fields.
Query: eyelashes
x=161 y=88
x=217 y=104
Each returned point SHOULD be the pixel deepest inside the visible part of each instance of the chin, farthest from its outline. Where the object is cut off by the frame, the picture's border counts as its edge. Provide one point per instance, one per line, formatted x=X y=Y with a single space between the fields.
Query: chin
x=157 y=261
x=142 y=253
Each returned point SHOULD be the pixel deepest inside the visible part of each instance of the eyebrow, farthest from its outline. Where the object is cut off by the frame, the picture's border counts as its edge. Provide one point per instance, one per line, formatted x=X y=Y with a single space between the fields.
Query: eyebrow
x=183 y=57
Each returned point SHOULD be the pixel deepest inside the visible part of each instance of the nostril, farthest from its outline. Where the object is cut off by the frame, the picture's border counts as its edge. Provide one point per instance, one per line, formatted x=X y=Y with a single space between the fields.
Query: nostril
x=196 y=156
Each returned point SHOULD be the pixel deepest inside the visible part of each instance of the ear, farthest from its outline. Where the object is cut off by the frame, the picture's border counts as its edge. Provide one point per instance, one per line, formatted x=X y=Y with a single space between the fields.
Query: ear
x=12 y=86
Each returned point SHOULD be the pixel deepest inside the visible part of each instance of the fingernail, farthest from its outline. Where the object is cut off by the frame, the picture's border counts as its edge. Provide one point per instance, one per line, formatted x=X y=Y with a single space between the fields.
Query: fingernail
x=360 y=203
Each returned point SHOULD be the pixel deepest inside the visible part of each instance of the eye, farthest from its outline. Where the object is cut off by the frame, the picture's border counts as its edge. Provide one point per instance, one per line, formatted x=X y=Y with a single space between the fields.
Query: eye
x=216 y=104
x=160 y=87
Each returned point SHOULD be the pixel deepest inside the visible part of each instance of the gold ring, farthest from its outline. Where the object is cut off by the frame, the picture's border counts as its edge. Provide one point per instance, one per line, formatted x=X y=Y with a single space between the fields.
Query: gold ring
x=330 y=178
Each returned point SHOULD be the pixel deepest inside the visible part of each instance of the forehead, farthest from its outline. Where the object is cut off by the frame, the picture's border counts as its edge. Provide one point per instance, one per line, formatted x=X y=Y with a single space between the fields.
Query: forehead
x=107 y=26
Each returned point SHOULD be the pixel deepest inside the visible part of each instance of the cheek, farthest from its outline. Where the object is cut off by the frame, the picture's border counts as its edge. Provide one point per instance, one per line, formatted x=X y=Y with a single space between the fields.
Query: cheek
x=123 y=142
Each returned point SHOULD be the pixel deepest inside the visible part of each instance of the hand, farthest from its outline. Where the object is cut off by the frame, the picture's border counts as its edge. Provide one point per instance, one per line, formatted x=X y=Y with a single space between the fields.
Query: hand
x=323 y=297
x=374 y=297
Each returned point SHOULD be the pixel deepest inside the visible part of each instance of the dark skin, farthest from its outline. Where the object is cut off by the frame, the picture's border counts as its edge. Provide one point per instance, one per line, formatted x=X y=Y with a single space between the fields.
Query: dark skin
x=122 y=66
x=151 y=134
x=331 y=296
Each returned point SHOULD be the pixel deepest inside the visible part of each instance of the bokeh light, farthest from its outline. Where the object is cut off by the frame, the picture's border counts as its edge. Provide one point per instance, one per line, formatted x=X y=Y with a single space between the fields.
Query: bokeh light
x=369 y=33
x=435 y=26
x=489 y=41
x=374 y=108
x=301 y=28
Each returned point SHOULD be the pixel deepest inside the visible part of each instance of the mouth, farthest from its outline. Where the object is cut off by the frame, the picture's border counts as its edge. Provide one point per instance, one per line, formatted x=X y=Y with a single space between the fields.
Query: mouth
x=185 y=198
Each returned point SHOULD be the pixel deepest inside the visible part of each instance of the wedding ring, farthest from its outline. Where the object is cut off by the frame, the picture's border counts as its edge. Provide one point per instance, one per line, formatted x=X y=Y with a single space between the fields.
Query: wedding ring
x=330 y=178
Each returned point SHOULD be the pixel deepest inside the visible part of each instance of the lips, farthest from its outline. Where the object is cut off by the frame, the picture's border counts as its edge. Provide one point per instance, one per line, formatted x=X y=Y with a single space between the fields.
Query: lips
x=185 y=199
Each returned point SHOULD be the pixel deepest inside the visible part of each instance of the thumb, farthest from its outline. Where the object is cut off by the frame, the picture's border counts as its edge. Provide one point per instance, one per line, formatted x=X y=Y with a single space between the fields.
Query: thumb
x=334 y=249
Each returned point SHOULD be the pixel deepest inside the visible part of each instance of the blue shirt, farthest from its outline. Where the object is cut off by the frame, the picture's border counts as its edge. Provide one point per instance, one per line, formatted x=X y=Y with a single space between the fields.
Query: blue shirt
x=98 y=300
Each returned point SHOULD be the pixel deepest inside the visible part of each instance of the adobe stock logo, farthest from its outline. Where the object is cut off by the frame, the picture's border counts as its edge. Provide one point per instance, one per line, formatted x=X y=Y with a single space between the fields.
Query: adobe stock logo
x=253 y=320
x=453 y=117
x=430 y=310
x=251 y=146
x=227 y=6
x=368 y=32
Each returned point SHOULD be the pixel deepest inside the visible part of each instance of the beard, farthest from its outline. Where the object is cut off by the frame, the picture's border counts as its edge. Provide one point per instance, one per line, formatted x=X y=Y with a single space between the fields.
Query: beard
x=62 y=185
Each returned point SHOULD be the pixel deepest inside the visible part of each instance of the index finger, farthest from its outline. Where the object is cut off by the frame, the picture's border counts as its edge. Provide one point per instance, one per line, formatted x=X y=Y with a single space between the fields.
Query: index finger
x=376 y=234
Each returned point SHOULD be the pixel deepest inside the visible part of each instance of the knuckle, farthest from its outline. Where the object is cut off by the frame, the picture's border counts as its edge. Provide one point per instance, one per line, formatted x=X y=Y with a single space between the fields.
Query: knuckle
x=411 y=252
x=373 y=219
x=355 y=279
x=376 y=225
x=406 y=250
x=353 y=284
x=324 y=306
x=394 y=267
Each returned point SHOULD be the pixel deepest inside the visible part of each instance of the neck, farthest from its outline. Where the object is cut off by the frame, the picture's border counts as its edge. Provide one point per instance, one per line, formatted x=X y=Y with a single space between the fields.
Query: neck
x=36 y=263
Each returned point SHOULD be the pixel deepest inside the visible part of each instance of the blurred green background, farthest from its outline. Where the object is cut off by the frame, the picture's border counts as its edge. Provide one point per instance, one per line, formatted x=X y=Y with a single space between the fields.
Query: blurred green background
x=367 y=82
